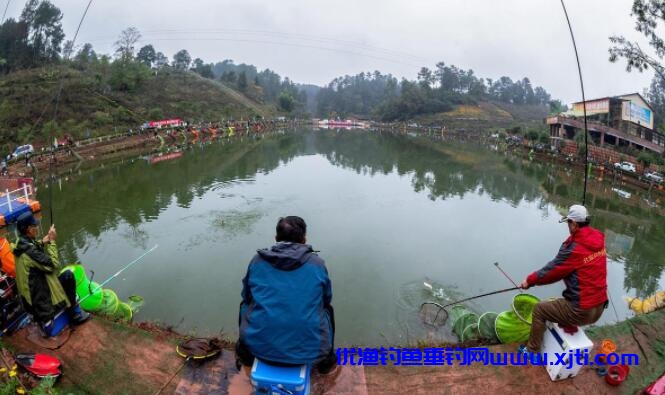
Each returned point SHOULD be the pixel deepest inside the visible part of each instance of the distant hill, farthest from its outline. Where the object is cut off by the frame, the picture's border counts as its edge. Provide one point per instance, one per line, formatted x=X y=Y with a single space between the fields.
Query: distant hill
x=488 y=114
x=89 y=107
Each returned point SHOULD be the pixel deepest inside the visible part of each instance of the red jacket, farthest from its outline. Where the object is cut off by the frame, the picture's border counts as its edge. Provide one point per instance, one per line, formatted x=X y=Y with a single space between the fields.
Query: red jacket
x=582 y=264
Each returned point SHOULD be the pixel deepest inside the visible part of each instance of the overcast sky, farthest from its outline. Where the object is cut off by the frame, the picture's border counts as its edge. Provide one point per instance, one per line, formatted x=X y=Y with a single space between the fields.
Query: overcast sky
x=314 y=41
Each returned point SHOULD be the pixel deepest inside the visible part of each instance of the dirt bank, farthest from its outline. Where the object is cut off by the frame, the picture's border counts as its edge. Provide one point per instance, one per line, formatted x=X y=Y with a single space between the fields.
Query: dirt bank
x=109 y=358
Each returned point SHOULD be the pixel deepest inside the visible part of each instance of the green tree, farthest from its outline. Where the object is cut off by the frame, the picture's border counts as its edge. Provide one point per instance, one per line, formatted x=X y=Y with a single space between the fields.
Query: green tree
x=426 y=78
x=85 y=56
x=45 y=34
x=161 y=60
x=229 y=76
x=656 y=98
x=242 y=82
x=146 y=55
x=647 y=158
x=648 y=14
x=14 y=45
x=128 y=76
x=181 y=60
x=286 y=101
x=556 y=107
x=205 y=70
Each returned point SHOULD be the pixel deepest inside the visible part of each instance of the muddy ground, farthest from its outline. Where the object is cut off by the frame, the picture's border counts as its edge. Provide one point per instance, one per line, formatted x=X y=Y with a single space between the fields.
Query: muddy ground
x=103 y=357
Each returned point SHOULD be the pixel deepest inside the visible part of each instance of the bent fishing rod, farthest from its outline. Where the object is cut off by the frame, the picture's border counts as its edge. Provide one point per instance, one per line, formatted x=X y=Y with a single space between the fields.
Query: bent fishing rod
x=586 y=132
x=55 y=111
x=130 y=264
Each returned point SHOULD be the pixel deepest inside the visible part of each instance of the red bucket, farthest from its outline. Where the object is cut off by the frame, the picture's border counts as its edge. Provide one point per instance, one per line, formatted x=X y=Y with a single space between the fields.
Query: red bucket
x=617 y=374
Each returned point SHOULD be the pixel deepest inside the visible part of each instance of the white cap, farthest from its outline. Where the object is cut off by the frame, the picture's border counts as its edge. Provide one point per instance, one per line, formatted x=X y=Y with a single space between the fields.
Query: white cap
x=577 y=213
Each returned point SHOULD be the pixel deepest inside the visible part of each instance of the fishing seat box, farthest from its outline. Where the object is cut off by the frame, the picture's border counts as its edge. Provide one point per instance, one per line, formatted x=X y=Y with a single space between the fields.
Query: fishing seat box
x=557 y=341
x=271 y=379
x=11 y=310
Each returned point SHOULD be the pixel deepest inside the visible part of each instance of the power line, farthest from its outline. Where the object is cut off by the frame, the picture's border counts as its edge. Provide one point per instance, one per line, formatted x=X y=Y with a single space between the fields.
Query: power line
x=338 y=50
x=298 y=36
x=5 y=13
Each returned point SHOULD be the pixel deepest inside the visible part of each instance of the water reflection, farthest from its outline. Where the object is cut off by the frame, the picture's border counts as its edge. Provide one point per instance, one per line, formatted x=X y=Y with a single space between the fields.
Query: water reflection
x=218 y=202
x=632 y=220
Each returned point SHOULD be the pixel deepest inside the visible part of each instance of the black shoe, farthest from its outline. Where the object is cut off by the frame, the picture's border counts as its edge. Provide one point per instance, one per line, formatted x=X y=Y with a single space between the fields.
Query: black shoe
x=80 y=317
x=327 y=366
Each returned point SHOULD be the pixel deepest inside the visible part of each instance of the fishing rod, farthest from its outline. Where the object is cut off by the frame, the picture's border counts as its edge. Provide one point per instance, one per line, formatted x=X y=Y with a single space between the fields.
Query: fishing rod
x=443 y=307
x=22 y=318
x=586 y=133
x=507 y=276
x=130 y=264
x=55 y=112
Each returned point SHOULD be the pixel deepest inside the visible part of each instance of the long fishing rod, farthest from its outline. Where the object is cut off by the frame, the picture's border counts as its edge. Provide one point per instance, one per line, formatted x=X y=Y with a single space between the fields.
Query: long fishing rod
x=586 y=133
x=130 y=264
x=55 y=112
x=23 y=318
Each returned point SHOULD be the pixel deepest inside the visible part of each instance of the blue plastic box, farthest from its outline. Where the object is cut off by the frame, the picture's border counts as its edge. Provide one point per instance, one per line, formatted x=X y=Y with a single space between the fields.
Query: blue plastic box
x=271 y=379
x=57 y=324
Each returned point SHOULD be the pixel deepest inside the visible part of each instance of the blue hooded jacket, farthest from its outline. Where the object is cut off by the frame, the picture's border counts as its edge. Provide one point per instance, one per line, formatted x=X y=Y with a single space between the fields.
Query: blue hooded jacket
x=285 y=313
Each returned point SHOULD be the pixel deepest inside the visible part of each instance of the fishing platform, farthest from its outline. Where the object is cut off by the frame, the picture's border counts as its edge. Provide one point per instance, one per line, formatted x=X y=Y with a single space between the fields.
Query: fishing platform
x=16 y=198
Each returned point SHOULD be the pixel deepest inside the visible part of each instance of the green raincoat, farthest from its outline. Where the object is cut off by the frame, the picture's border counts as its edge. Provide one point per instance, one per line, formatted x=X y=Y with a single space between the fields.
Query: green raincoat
x=37 y=270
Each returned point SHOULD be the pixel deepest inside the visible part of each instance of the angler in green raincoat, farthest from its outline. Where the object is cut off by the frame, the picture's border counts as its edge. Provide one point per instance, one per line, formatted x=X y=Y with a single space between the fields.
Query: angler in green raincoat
x=43 y=290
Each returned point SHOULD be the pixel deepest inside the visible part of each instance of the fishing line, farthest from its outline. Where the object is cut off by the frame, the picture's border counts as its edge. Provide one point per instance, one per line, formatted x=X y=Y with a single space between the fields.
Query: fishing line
x=586 y=133
x=130 y=264
x=609 y=295
x=55 y=111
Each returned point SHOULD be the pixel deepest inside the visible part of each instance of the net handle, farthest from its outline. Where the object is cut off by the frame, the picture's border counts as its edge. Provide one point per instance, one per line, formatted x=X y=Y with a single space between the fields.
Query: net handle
x=441 y=308
x=471 y=298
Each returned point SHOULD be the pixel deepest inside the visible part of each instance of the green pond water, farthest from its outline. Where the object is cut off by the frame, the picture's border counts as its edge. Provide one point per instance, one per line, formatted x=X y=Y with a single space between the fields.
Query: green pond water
x=387 y=212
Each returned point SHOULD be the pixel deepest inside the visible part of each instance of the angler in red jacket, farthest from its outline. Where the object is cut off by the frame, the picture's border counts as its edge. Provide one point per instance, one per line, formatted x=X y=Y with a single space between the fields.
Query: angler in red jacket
x=581 y=263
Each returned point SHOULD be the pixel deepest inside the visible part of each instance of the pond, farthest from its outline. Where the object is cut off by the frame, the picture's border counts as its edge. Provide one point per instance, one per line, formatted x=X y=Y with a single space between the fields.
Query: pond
x=387 y=212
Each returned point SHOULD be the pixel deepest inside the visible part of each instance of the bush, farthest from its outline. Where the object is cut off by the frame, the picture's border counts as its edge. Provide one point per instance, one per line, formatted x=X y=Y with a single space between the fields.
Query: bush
x=101 y=118
x=647 y=158
x=155 y=113
x=532 y=135
x=544 y=137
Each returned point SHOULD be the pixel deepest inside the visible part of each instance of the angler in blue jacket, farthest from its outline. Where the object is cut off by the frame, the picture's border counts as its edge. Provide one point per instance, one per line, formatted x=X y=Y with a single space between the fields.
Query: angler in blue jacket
x=286 y=316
